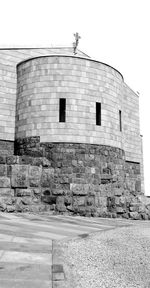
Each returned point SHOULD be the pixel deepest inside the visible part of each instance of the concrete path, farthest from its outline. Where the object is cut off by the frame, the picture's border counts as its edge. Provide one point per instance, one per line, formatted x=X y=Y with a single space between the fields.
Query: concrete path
x=26 y=245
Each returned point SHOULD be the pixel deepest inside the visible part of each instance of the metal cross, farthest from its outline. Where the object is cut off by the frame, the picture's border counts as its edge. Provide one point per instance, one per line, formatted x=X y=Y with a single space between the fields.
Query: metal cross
x=75 y=44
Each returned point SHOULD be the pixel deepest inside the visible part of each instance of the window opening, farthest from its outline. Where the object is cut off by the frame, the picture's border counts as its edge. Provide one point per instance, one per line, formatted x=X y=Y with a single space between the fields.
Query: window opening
x=120 y=120
x=62 y=110
x=98 y=113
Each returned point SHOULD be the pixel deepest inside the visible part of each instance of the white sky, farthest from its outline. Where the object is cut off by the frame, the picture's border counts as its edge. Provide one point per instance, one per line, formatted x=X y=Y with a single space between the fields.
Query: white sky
x=112 y=31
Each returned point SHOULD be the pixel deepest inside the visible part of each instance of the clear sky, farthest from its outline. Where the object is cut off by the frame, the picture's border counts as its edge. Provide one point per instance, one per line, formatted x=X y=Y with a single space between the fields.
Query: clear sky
x=112 y=31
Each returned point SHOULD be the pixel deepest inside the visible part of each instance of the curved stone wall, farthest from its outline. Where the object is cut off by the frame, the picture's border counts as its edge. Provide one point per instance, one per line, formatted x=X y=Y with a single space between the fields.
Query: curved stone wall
x=9 y=58
x=83 y=82
x=91 y=180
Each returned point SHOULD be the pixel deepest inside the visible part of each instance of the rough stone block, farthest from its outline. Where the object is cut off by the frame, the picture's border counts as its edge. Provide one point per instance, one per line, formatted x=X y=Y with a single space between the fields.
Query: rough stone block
x=130 y=184
x=114 y=215
x=3 y=206
x=102 y=201
x=26 y=200
x=26 y=160
x=68 y=200
x=34 y=176
x=2 y=159
x=48 y=198
x=105 y=178
x=11 y=208
x=60 y=199
x=105 y=189
x=117 y=201
x=46 y=177
x=91 y=201
x=58 y=192
x=23 y=192
x=60 y=205
x=6 y=200
x=18 y=205
x=4 y=182
x=10 y=160
x=122 y=200
x=143 y=199
x=82 y=211
x=46 y=162
x=125 y=215
x=3 y=170
x=74 y=163
x=37 y=161
x=79 y=201
x=97 y=200
x=144 y=216
x=93 y=170
x=19 y=177
x=39 y=207
x=135 y=215
x=134 y=207
x=120 y=210
x=64 y=179
x=79 y=189
x=36 y=200
x=138 y=185
x=118 y=191
x=142 y=208
x=111 y=205
x=36 y=191
x=6 y=192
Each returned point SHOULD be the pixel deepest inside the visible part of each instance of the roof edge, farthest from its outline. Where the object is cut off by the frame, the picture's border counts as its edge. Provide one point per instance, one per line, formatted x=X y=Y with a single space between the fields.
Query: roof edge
x=36 y=48
x=72 y=56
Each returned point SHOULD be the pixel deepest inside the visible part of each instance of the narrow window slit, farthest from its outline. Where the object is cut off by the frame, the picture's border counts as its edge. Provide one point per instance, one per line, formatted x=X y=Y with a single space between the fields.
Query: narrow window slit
x=98 y=113
x=62 y=110
x=120 y=120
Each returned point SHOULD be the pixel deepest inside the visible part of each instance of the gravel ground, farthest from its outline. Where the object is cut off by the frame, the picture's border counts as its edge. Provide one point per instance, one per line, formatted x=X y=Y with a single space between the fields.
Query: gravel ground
x=115 y=258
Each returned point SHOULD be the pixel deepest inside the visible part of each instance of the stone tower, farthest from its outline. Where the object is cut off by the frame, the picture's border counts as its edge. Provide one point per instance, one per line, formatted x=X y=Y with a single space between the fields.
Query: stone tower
x=72 y=124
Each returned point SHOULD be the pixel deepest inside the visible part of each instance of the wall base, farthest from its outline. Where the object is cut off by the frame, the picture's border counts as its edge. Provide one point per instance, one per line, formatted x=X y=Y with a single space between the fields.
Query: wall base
x=84 y=179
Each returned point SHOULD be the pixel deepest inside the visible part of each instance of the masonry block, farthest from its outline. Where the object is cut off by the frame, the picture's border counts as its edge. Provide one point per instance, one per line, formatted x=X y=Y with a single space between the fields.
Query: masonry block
x=4 y=182
x=20 y=192
x=34 y=176
x=47 y=177
x=2 y=159
x=19 y=176
x=3 y=170
x=6 y=192
x=79 y=189
x=12 y=159
x=79 y=201
x=60 y=204
x=10 y=208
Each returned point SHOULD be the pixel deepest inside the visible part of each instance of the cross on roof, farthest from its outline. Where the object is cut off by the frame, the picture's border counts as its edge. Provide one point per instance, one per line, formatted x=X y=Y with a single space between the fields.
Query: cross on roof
x=75 y=44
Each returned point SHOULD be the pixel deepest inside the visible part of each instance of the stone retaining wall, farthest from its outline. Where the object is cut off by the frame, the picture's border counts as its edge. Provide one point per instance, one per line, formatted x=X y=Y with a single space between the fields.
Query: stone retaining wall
x=90 y=180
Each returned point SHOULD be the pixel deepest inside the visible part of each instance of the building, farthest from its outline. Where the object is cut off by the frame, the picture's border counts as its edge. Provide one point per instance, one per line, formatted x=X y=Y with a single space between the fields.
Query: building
x=78 y=114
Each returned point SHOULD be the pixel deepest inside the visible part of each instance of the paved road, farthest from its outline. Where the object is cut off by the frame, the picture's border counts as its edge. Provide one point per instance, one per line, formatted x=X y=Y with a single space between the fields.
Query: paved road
x=26 y=244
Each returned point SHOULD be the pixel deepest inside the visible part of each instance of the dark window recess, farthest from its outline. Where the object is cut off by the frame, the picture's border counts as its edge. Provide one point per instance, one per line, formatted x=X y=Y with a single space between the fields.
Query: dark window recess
x=98 y=113
x=62 y=110
x=120 y=121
